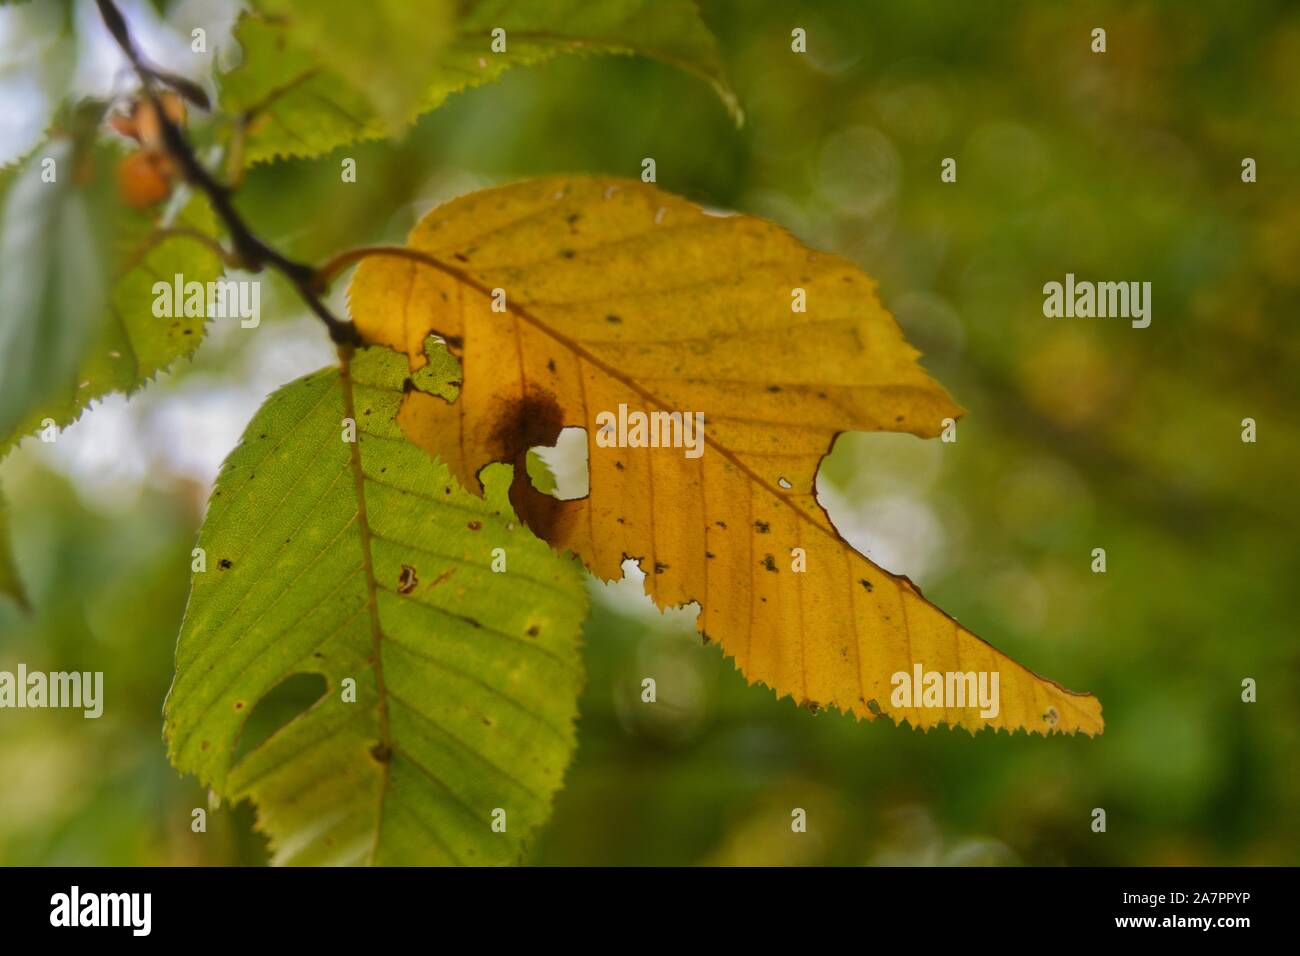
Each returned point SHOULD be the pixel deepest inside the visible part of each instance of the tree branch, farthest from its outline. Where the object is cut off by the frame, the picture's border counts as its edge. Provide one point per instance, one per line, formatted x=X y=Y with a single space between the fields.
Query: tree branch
x=252 y=252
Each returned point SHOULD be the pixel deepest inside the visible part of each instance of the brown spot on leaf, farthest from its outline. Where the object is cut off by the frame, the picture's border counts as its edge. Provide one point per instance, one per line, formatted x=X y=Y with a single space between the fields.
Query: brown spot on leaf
x=525 y=421
x=407 y=580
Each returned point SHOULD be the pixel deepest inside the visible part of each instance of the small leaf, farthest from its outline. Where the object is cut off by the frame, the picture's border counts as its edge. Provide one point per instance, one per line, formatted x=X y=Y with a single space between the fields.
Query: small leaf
x=540 y=473
x=621 y=297
x=471 y=707
x=53 y=282
x=115 y=342
x=299 y=101
x=386 y=50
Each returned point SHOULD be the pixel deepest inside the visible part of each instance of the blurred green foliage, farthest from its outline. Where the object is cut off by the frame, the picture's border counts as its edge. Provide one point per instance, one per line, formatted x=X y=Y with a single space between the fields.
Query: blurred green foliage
x=1080 y=433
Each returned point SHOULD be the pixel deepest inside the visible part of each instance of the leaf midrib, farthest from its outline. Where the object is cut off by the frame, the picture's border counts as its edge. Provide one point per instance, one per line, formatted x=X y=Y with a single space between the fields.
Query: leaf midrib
x=372 y=594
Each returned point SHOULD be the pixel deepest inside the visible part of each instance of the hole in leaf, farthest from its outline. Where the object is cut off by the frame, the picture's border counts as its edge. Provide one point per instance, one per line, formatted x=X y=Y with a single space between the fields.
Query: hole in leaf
x=560 y=470
x=407 y=579
x=291 y=697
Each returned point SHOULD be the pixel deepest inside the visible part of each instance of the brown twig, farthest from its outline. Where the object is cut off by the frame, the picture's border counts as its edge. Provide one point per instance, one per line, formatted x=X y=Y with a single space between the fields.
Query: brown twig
x=251 y=252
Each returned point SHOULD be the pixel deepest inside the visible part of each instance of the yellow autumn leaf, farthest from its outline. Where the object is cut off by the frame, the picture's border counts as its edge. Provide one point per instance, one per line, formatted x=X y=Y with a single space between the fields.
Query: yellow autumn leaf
x=568 y=300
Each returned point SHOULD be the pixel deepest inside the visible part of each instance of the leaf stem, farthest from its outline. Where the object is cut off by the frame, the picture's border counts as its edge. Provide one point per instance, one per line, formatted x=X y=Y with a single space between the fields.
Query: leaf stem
x=159 y=236
x=344 y=260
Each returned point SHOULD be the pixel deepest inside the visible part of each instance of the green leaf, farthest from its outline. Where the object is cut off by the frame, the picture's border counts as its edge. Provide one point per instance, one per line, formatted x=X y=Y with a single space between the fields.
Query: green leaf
x=53 y=282
x=106 y=338
x=298 y=102
x=478 y=674
x=540 y=473
x=386 y=50
x=10 y=583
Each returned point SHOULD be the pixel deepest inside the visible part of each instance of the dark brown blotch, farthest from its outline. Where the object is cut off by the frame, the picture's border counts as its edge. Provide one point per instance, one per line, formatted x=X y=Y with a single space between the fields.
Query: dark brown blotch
x=407 y=579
